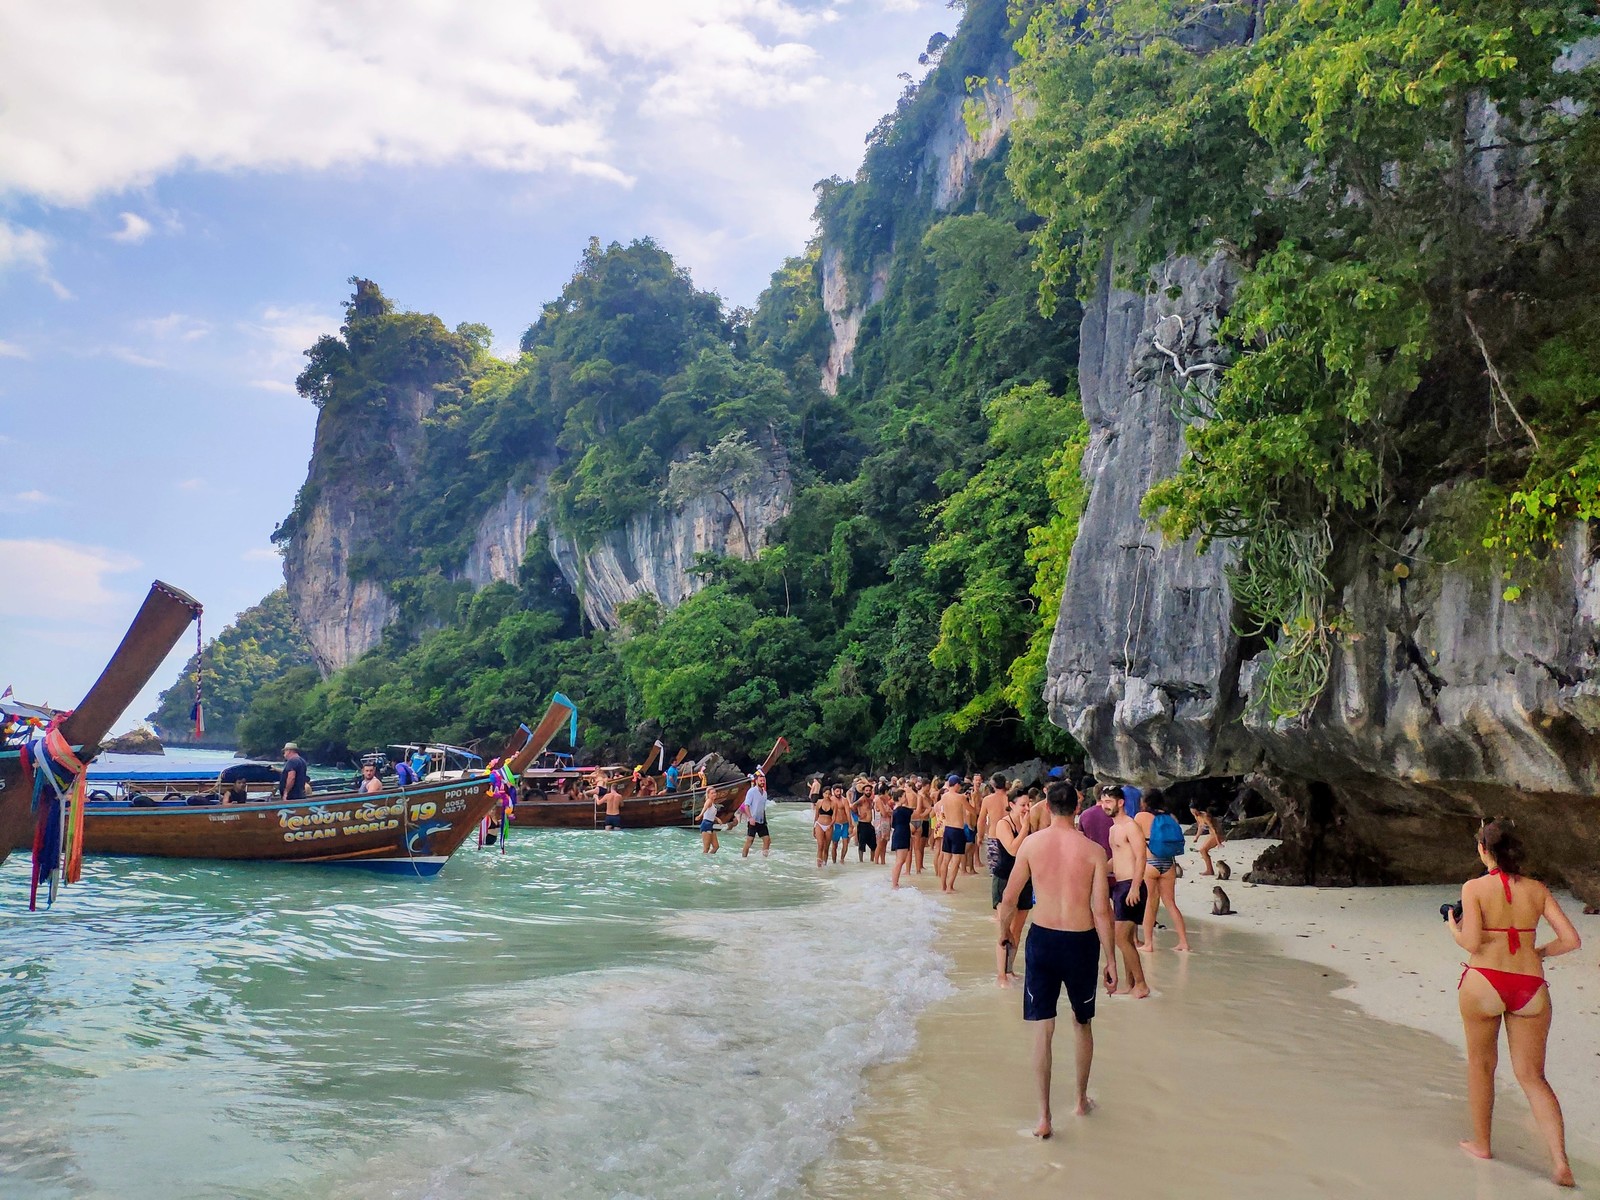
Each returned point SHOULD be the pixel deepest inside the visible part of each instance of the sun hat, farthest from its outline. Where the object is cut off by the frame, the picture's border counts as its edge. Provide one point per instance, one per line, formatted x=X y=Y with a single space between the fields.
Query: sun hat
x=952 y=779
x=290 y=746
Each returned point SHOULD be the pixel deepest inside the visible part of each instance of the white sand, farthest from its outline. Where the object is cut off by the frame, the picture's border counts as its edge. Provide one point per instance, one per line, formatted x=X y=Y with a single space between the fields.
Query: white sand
x=1403 y=965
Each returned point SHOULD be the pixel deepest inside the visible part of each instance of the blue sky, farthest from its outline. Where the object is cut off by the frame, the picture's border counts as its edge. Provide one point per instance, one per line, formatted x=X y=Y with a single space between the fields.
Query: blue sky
x=186 y=187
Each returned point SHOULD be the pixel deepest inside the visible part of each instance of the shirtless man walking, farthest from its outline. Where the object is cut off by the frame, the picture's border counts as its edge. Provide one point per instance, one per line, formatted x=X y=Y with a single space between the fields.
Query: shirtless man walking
x=1070 y=934
x=957 y=815
x=1129 y=856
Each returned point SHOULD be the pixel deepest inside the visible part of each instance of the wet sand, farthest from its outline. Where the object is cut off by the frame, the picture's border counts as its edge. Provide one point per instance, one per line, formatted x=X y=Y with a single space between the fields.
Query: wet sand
x=1243 y=1076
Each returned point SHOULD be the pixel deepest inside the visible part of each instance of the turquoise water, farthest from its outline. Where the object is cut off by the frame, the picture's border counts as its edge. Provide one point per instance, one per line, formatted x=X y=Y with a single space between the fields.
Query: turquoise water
x=588 y=1015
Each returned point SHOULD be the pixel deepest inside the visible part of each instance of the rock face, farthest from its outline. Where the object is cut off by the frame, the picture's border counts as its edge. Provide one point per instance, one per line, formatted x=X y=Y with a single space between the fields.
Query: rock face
x=947 y=161
x=653 y=553
x=1448 y=704
x=343 y=618
x=503 y=532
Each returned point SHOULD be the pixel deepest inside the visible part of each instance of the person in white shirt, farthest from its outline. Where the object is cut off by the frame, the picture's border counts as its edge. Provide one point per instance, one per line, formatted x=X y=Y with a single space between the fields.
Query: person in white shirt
x=754 y=809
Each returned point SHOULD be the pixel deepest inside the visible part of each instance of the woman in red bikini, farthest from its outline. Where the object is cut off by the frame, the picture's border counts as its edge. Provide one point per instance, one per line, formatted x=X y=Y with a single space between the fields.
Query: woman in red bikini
x=1504 y=980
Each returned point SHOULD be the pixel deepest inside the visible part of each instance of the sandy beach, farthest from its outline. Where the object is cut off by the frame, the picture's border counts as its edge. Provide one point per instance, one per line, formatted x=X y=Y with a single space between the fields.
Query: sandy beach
x=1255 y=1070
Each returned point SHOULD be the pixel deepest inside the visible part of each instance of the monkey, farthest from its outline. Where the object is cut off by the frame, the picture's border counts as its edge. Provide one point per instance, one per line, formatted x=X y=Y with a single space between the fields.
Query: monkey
x=1591 y=910
x=1220 y=906
x=1179 y=867
x=1224 y=871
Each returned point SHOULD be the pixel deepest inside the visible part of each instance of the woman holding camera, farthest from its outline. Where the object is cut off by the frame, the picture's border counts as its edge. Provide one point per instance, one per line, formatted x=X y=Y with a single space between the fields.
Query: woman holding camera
x=1495 y=924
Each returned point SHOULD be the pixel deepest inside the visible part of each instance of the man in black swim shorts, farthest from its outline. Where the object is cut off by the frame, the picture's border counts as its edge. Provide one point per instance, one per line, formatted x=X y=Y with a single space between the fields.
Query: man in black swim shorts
x=1071 y=932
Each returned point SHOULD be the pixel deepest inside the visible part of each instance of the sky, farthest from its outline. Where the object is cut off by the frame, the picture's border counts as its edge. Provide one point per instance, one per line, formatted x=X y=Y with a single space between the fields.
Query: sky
x=186 y=187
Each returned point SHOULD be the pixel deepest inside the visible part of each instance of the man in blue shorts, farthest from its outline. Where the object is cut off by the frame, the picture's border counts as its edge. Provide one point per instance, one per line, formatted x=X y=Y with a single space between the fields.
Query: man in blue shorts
x=1071 y=933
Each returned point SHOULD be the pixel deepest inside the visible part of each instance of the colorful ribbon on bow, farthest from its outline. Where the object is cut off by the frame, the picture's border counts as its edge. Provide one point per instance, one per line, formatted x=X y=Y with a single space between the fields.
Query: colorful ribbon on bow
x=56 y=776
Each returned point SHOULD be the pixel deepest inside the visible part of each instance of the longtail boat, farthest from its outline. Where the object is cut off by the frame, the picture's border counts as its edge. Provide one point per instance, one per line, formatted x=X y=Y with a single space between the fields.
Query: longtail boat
x=557 y=809
x=409 y=829
x=161 y=620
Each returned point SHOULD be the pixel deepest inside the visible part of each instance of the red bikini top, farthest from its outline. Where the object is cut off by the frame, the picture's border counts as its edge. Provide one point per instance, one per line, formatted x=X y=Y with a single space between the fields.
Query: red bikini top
x=1513 y=934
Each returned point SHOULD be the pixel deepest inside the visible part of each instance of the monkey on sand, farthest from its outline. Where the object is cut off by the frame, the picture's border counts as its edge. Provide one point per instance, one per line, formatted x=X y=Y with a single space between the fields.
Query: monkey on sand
x=1220 y=906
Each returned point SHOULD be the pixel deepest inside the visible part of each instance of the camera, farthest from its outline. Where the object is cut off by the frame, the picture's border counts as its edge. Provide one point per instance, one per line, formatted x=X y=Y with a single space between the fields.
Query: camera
x=1446 y=909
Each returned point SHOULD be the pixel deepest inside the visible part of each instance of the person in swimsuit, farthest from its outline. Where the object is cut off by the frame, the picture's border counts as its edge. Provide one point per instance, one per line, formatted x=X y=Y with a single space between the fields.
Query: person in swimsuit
x=708 y=823
x=610 y=799
x=1160 y=878
x=1503 y=982
x=1008 y=833
x=822 y=824
x=900 y=833
x=953 y=841
x=883 y=822
x=1128 y=859
x=1070 y=935
x=866 y=831
x=841 y=825
x=1209 y=831
x=921 y=822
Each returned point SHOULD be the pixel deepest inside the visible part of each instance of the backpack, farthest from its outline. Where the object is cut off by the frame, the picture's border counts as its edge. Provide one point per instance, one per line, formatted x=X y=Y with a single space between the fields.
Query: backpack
x=1166 y=837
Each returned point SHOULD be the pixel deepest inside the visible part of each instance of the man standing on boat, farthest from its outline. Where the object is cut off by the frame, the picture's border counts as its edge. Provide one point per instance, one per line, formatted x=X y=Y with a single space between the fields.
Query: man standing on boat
x=292 y=786
x=755 y=815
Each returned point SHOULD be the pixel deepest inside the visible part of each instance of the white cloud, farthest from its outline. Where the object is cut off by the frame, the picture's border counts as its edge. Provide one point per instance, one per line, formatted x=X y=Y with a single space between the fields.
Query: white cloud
x=134 y=229
x=173 y=327
x=55 y=580
x=281 y=335
x=190 y=485
x=32 y=497
x=12 y=350
x=21 y=246
x=132 y=357
x=97 y=96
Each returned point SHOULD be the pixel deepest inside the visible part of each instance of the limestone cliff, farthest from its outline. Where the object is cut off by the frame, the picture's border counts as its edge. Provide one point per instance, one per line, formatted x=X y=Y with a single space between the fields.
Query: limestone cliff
x=1445 y=704
x=651 y=555
x=344 y=611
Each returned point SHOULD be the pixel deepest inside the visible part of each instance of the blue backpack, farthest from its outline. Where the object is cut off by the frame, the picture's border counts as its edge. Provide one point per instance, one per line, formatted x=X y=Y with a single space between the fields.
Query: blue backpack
x=1166 y=837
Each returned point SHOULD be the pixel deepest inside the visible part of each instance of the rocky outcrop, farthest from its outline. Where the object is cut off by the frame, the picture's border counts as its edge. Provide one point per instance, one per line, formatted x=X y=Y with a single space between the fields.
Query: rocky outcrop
x=952 y=150
x=1445 y=704
x=344 y=617
x=654 y=552
x=135 y=741
x=1143 y=663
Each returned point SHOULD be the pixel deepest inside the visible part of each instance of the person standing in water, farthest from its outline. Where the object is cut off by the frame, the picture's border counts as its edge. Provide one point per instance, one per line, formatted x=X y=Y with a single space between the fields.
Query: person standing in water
x=1128 y=859
x=708 y=824
x=866 y=831
x=822 y=823
x=921 y=822
x=1071 y=934
x=609 y=798
x=957 y=816
x=1504 y=983
x=900 y=833
x=754 y=809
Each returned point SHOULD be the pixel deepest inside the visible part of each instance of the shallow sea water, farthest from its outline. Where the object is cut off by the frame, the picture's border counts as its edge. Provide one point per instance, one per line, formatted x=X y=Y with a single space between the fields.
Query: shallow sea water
x=588 y=1015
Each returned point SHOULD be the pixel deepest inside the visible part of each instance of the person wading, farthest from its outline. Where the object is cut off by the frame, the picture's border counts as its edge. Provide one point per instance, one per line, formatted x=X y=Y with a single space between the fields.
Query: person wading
x=1070 y=937
x=754 y=809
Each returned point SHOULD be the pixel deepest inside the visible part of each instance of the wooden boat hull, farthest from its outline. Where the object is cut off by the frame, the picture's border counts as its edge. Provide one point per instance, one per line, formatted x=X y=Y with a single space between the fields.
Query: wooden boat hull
x=553 y=810
x=409 y=831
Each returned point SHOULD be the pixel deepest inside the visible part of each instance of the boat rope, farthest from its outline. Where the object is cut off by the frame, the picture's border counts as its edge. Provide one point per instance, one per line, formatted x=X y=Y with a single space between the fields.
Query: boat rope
x=56 y=776
x=198 y=712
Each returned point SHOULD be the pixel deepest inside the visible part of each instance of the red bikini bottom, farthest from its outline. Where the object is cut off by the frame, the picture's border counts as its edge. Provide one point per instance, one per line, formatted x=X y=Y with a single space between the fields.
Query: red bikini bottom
x=1515 y=989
